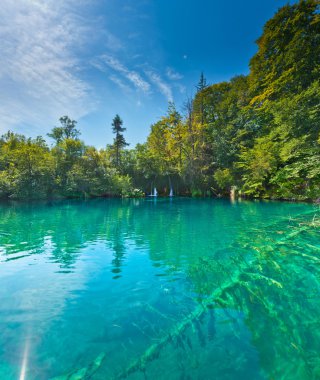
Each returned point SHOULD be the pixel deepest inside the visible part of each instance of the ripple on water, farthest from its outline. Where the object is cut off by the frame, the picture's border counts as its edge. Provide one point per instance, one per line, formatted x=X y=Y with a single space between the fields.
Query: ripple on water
x=180 y=289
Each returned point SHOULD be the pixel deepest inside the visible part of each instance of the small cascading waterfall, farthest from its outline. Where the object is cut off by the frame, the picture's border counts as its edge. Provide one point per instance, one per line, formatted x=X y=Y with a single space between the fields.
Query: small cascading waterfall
x=155 y=193
x=171 y=189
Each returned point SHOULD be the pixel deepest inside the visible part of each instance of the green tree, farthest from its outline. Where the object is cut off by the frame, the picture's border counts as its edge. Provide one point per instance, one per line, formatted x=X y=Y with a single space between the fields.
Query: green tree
x=119 y=140
x=67 y=151
x=67 y=130
x=288 y=57
x=26 y=167
x=199 y=104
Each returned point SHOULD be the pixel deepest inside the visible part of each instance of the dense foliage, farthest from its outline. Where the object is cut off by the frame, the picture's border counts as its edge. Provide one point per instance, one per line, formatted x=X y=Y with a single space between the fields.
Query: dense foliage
x=258 y=134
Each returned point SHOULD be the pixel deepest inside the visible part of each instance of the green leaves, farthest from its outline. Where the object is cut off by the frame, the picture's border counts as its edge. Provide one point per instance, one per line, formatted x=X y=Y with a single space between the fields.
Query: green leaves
x=257 y=164
x=26 y=167
x=67 y=130
x=260 y=133
x=119 y=140
x=287 y=61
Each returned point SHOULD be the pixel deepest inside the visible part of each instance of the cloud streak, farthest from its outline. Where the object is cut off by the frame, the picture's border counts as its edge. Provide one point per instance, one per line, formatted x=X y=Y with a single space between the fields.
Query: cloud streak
x=173 y=75
x=120 y=83
x=131 y=75
x=163 y=87
x=135 y=78
x=39 y=72
x=58 y=57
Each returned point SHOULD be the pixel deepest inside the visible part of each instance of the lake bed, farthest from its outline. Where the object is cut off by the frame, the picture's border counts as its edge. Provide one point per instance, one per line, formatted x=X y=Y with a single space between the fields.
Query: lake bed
x=159 y=288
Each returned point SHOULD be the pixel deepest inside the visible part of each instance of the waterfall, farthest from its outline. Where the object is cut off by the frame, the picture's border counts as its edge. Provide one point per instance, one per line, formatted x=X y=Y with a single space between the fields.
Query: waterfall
x=171 y=189
x=155 y=193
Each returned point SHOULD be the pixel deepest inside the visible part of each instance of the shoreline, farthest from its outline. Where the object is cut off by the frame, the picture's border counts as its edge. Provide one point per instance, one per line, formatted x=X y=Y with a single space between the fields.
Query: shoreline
x=237 y=199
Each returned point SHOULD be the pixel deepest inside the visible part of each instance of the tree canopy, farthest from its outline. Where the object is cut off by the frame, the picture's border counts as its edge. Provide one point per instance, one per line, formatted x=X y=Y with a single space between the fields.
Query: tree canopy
x=258 y=134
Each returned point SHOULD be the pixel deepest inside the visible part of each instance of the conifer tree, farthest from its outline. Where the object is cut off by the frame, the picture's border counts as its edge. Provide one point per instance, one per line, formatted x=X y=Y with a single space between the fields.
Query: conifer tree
x=202 y=84
x=119 y=140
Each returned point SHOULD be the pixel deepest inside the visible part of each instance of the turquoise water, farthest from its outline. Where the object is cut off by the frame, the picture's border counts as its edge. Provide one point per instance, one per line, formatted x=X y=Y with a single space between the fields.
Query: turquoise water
x=159 y=289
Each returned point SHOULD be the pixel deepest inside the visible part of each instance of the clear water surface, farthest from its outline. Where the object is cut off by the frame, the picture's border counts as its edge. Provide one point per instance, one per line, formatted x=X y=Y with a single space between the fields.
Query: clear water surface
x=159 y=289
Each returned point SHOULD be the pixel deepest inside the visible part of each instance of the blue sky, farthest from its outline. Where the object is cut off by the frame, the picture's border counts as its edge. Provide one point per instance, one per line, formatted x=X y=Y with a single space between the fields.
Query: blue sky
x=92 y=59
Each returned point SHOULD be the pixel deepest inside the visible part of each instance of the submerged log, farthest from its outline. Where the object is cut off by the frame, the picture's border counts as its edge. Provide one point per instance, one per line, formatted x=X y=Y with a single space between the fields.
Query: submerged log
x=154 y=350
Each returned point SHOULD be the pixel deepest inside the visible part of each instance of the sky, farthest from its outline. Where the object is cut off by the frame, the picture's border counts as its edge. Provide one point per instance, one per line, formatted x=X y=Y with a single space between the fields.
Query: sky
x=93 y=59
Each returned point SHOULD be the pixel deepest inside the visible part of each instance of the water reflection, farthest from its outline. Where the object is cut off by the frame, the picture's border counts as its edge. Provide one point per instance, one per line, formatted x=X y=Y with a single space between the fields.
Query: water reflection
x=201 y=283
x=63 y=228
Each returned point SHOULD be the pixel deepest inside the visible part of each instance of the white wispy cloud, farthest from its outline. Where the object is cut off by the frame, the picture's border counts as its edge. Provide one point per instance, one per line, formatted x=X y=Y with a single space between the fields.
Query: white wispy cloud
x=172 y=74
x=115 y=79
x=163 y=87
x=39 y=72
x=131 y=75
x=182 y=89
x=153 y=83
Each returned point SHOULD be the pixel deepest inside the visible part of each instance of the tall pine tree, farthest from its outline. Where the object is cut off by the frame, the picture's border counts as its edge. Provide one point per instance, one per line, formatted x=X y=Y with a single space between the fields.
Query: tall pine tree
x=119 y=141
x=201 y=86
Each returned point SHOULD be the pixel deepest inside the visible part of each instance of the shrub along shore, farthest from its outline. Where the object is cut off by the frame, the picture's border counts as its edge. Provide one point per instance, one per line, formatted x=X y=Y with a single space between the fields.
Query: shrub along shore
x=256 y=136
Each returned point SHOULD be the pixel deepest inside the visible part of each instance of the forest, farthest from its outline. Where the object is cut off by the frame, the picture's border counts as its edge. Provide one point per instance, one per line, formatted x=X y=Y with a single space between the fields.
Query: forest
x=256 y=135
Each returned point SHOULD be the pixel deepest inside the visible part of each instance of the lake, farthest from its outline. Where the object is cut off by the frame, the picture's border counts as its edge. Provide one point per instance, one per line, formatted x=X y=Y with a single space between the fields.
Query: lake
x=159 y=289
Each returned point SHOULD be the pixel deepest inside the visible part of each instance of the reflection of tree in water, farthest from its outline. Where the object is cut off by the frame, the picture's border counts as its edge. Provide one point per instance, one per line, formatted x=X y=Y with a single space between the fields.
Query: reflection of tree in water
x=173 y=234
x=117 y=244
x=267 y=292
x=272 y=279
x=62 y=230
